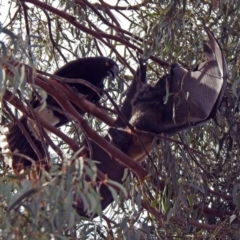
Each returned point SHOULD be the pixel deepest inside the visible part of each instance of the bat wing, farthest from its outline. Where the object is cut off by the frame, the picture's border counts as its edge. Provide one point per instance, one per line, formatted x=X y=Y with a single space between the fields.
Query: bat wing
x=222 y=66
x=197 y=94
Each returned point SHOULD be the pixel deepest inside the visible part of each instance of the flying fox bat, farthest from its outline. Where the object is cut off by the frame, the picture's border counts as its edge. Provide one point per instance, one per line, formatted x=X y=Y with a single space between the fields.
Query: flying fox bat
x=178 y=101
x=194 y=96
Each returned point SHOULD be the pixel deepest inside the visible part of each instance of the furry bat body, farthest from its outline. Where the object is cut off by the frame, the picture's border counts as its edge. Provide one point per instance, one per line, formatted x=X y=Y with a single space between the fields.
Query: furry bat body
x=194 y=95
x=194 y=98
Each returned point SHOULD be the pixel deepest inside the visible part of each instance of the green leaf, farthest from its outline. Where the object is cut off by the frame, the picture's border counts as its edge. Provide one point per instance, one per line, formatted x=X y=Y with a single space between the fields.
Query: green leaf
x=118 y=185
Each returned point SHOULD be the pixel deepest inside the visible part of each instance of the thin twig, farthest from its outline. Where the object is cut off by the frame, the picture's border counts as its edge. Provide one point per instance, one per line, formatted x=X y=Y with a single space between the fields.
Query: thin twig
x=98 y=35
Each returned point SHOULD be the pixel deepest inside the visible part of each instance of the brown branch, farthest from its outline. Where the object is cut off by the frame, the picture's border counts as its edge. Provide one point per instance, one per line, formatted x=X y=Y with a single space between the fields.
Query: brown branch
x=193 y=157
x=25 y=9
x=130 y=20
x=8 y=96
x=51 y=37
x=40 y=130
x=226 y=197
x=159 y=216
x=129 y=7
x=13 y=18
x=116 y=27
x=97 y=47
x=75 y=122
x=59 y=92
x=32 y=161
x=110 y=230
x=53 y=145
x=194 y=223
x=79 y=101
x=161 y=136
x=113 y=49
x=60 y=95
x=98 y=35
x=219 y=194
x=213 y=212
x=13 y=100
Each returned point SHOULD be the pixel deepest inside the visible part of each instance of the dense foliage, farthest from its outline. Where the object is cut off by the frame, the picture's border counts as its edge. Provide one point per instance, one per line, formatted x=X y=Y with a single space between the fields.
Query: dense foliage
x=192 y=190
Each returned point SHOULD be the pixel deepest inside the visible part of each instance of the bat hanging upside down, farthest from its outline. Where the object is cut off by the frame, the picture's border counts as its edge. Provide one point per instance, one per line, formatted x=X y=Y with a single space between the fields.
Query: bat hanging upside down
x=179 y=100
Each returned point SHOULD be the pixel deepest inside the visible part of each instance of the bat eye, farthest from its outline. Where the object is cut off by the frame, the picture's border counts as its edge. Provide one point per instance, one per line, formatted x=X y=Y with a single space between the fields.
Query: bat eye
x=107 y=64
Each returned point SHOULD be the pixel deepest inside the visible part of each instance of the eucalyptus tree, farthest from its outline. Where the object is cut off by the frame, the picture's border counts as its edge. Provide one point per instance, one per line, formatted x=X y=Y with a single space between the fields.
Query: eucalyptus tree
x=187 y=187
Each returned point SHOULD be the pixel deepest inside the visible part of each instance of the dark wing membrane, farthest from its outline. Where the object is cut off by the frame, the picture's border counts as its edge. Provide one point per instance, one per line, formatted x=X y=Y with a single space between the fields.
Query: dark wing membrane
x=193 y=97
x=222 y=64
x=218 y=54
x=195 y=92
x=199 y=93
